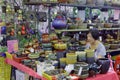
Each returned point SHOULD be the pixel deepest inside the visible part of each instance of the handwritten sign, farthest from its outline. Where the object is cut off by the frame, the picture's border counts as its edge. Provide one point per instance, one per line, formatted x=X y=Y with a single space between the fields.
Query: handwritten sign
x=12 y=45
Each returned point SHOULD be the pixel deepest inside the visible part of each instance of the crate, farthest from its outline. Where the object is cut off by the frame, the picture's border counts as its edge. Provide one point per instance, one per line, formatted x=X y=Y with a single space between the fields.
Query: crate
x=5 y=69
x=53 y=77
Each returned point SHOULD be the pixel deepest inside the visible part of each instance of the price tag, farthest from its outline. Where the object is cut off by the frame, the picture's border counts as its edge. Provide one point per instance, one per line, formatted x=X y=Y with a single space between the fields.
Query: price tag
x=80 y=71
x=69 y=68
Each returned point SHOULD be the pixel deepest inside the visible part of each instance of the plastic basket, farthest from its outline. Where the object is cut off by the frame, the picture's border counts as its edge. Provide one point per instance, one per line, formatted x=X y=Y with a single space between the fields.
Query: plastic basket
x=53 y=77
x=5 y=69
x=48 y=77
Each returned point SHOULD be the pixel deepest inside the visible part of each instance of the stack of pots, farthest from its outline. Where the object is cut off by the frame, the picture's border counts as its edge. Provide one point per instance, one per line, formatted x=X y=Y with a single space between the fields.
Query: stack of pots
x=81 y=56
x=116 y=2
x=84 y=71
x=46 y=44
x=90 y=56
x=71 y=58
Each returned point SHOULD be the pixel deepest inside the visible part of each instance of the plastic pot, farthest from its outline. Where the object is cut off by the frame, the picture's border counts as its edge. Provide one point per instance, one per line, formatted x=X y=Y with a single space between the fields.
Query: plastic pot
x=105 y=64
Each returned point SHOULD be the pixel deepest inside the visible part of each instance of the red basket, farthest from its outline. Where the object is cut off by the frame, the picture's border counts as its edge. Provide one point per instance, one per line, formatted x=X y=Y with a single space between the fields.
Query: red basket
x=18 y=59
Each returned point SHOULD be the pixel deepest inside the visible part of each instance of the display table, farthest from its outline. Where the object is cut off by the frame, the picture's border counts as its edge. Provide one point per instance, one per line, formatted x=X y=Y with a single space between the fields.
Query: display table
x=111 y=75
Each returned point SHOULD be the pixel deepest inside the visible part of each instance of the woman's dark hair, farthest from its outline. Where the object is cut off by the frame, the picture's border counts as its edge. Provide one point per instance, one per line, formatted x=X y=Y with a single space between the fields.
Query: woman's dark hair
x=95 y=33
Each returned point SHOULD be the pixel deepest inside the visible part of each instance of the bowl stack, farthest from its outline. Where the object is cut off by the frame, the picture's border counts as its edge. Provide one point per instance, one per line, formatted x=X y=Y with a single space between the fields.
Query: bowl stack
x=71 y=58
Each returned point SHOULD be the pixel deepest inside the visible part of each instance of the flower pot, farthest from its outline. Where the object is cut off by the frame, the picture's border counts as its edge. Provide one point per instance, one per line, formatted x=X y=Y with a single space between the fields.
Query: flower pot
x=91 y=2
x=81 y=56
x=105 y=64
x=59 y=23
x=81 y=1
x=100 y=2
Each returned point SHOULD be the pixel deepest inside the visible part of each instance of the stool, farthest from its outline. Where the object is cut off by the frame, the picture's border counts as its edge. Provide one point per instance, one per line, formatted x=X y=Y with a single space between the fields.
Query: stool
x=117 y=62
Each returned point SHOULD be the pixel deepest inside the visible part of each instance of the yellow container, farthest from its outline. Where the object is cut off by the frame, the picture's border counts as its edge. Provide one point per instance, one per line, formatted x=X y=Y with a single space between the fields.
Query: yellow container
x=71 y=61
x=53 y=77
x=62 y=60
x=89 y=52
x=48 y=77
x=5 y=69
x=71 y=58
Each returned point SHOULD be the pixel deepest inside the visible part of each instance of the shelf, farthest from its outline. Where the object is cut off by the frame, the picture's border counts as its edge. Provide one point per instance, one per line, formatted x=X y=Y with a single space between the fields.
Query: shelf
x=75 y=30
x=91 y=6
x=39 y=3
x=113 y=50
x=72 y=5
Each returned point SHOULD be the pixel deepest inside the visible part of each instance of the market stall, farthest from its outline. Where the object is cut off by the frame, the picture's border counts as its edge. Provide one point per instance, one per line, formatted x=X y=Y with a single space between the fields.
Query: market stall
x=60 y=39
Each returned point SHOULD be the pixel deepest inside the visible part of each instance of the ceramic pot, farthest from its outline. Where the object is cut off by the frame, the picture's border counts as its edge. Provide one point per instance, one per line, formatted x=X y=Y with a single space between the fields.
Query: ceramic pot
x=100 y=2
x=89 y=53
x=81 y=1
x=3 y=30
x=81 y=56
x=59 y=23
x=60 y=54
x=46 y=45
x=108 y=2
x=85 y=68
x=91 y=2
x=45 y=35
x=105 y=64
x=60 y=46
